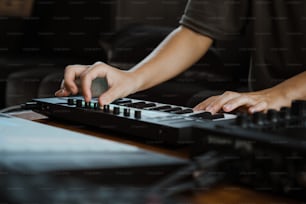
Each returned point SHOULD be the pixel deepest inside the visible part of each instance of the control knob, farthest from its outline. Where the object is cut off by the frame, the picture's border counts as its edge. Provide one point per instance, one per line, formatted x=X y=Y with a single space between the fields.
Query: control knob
x=79 y=103
x=126 y=112
x=258 y=118
x=70 y=101
x=106 y=108
x=116 y=111
x=137 y=114
x=272 y=115
x=298 y=108
x=242 y=119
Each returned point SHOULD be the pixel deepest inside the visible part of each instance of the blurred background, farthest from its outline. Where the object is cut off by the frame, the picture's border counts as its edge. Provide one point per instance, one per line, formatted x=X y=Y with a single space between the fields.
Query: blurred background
x=39 y=38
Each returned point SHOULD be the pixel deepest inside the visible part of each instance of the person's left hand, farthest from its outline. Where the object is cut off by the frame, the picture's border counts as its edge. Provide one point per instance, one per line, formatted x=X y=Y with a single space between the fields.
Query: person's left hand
x=252 y=101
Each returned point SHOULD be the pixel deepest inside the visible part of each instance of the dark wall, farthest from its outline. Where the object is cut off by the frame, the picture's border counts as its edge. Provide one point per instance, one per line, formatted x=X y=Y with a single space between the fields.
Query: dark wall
x=62 y=32
x=149 y=12
x=72 y=28
x=121 y=32
x=61 y=27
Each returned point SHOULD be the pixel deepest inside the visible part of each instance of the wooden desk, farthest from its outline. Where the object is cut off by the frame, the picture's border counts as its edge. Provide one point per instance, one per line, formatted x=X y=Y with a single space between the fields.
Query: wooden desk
x=221 y=194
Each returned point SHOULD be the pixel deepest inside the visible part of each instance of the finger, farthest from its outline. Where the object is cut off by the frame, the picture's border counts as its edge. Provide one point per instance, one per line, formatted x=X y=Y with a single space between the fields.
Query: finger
x=71 y=73
x=109 y=96
x=205 y=103
x=221 y=100
x=62 y=93
x=239 y=101
x=261 y=106
x=88 y=76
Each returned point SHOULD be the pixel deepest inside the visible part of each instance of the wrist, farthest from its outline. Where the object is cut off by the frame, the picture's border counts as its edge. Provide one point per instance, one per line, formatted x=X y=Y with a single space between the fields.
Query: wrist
x=293 y=88
x=285 y=92
x=136 y=81
x=280 y=95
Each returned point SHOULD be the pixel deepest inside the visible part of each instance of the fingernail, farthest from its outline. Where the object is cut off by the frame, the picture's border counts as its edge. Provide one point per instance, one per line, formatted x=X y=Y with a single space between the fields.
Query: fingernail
x=252 y=110
x=195 y=109
x=227 y=107
x=59 y=93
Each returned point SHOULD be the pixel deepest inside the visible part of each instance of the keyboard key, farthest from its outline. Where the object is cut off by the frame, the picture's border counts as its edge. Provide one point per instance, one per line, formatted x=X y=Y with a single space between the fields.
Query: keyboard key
x=137 y=105
x=171 y=110
x=185 y=111
x=160 y=108
x=208 y=116
x=149 y=105
x=122 y=101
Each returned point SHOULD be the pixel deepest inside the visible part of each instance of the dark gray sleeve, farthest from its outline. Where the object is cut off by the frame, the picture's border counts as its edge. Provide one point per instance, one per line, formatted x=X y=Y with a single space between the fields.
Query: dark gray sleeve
x=218 y=19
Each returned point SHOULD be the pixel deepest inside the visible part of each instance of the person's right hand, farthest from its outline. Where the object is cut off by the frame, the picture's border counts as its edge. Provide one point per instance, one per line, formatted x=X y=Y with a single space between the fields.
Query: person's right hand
x=120 y=83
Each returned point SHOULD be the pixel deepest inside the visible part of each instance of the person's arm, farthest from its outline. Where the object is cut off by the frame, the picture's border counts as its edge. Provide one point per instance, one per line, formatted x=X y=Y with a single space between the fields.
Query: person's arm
x=273 y=98
x=180 y=50
x=176 y=53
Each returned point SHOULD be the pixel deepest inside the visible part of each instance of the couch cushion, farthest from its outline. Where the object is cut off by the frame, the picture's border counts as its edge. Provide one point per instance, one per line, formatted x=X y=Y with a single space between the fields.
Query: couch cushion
x=24 y=85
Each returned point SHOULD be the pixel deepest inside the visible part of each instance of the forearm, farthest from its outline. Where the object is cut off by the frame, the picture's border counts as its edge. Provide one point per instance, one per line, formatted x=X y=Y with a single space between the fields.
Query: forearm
x=175 y=54
x=293 y=88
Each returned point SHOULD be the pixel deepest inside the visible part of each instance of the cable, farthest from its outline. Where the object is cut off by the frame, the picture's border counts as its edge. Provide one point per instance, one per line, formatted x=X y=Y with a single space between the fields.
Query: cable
x=199 y=172
x=173 y=178
x=26 y=106
x=11 y=109
x=179 y=188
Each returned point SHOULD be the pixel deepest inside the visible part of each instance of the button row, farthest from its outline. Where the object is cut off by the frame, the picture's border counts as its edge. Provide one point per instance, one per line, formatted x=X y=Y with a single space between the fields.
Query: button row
x=106 y=108
x=152 y=106
x=126 y=111
x=82 y=104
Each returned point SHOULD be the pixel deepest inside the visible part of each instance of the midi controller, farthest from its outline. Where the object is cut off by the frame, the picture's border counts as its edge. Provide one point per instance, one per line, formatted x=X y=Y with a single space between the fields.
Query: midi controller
x=266 y=151
x=157 y=122
x=284 y=130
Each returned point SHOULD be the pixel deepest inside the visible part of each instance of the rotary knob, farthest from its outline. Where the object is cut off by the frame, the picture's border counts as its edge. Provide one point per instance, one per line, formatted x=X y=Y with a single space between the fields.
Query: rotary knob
x=258 y=118
x=70 y=101
x=285 y=113
x=79 y=103
x=298 y=108
x=137 y=114
x=116 y=111
x=87 y=104
x=242 y=119
x=272 y=115
x=126 y=112
x=106 y=108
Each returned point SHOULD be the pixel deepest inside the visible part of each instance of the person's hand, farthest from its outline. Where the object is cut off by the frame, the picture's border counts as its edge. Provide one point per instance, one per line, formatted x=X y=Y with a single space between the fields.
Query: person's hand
x=120 y=83
x=253 y=101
